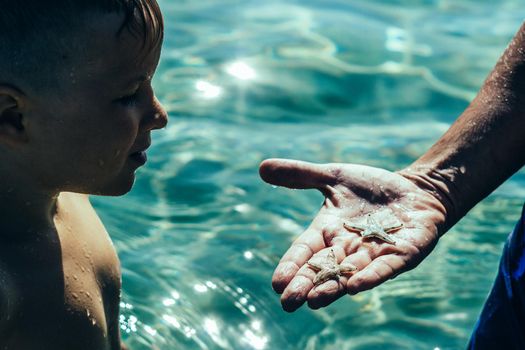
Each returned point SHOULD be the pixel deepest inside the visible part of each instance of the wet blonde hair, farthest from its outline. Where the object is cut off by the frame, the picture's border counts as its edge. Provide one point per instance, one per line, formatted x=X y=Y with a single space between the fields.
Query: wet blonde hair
x=35 y=35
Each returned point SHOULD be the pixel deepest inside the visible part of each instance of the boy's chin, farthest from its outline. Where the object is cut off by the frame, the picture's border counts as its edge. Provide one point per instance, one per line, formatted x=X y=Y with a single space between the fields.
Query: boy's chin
x=119 y=187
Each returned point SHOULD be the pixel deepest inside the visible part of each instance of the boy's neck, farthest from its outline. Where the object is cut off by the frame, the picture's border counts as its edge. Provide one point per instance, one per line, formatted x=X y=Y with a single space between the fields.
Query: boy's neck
x=25 y=211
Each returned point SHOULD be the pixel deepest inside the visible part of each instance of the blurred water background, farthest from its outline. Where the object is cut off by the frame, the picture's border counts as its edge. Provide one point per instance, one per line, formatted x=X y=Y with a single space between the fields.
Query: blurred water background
x=372 y=82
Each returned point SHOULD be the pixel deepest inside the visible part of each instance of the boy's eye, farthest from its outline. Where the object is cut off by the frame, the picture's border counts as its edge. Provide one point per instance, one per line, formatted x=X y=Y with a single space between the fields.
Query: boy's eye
x=128 y=100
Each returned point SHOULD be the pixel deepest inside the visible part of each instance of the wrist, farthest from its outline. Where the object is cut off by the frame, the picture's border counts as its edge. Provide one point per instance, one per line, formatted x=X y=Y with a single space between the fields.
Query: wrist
x=440 y=184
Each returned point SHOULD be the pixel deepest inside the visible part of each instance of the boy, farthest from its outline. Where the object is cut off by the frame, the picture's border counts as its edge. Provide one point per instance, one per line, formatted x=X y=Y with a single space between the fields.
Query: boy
x=76 y=112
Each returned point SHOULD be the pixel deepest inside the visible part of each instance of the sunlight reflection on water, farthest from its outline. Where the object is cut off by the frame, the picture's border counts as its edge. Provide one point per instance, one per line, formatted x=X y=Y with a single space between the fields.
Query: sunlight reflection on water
x=372 y=82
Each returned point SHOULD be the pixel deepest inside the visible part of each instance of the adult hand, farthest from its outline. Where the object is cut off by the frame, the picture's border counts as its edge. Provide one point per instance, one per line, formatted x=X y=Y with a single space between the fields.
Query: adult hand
x=351 y=193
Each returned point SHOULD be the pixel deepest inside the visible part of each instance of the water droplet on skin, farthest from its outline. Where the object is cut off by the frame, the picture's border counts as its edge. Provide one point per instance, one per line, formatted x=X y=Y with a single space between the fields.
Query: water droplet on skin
x=82 y=268
x=93 y=321
x=75 y=277
x=75 y=295
x=88 y=313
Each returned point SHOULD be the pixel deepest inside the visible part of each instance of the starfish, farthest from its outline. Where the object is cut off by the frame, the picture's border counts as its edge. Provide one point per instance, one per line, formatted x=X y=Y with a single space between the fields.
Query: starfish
x=329 y=268
x=373 y=229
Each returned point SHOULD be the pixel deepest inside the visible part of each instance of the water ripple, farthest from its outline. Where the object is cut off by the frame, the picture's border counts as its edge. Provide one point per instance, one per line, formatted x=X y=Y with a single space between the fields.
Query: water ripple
x=372 y=82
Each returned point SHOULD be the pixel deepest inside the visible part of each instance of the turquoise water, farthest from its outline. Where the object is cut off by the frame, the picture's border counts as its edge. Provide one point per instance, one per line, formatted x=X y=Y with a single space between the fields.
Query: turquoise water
x=372 y=82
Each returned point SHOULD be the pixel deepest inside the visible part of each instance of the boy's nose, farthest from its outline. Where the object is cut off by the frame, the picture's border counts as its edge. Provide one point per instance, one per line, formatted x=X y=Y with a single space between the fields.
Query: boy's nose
x=157 y=118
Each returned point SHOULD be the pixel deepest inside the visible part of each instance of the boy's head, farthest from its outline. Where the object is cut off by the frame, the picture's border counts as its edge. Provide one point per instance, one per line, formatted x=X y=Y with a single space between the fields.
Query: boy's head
x=76 y=103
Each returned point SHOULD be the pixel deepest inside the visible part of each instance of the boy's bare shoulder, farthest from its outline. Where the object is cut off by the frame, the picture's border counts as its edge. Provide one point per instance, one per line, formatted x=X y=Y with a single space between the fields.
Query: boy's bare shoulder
x=78 y=209
x=77 y=201
x=77 y=198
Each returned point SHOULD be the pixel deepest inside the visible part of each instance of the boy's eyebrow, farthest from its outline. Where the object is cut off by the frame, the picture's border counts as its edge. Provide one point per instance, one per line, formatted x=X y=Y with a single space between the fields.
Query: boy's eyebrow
x=139 y=79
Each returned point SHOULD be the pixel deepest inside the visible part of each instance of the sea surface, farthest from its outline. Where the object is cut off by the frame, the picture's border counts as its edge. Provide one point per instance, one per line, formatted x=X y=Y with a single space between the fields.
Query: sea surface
x=371 y=82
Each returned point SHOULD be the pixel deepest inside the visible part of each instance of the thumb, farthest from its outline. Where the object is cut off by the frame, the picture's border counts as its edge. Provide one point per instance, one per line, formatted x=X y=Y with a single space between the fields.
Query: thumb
x=296 y=174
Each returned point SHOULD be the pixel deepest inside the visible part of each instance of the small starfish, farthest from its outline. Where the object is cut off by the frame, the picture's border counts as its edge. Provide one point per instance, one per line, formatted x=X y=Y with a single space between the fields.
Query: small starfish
x=373 y=229
x=329 y=268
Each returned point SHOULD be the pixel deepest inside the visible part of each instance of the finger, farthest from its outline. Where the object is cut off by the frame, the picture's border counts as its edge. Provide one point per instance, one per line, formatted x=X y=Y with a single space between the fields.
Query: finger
x=378 y=271
x=298 y=254
x=326 y=293
x=301 y=285
x=297 y=290
x=296 y=174
x=295 y=294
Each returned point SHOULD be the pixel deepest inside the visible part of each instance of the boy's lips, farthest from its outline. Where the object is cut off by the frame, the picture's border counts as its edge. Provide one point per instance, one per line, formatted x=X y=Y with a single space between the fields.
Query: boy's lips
x=140 y=157
x=142 y=148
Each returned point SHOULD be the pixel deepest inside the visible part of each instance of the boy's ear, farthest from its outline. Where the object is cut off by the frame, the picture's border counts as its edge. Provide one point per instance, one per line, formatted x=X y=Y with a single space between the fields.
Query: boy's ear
x=12 y=129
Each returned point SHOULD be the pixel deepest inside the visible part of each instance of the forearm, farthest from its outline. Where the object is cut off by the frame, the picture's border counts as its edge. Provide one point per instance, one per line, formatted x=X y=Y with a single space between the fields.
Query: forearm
x=486 y=144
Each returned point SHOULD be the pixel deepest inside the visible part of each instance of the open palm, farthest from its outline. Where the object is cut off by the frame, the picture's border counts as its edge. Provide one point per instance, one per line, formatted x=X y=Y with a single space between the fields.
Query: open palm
x=352 y=192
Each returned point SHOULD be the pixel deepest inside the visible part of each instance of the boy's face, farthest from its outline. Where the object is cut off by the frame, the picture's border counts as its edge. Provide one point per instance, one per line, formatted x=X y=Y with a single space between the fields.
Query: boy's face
x=85 y=137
